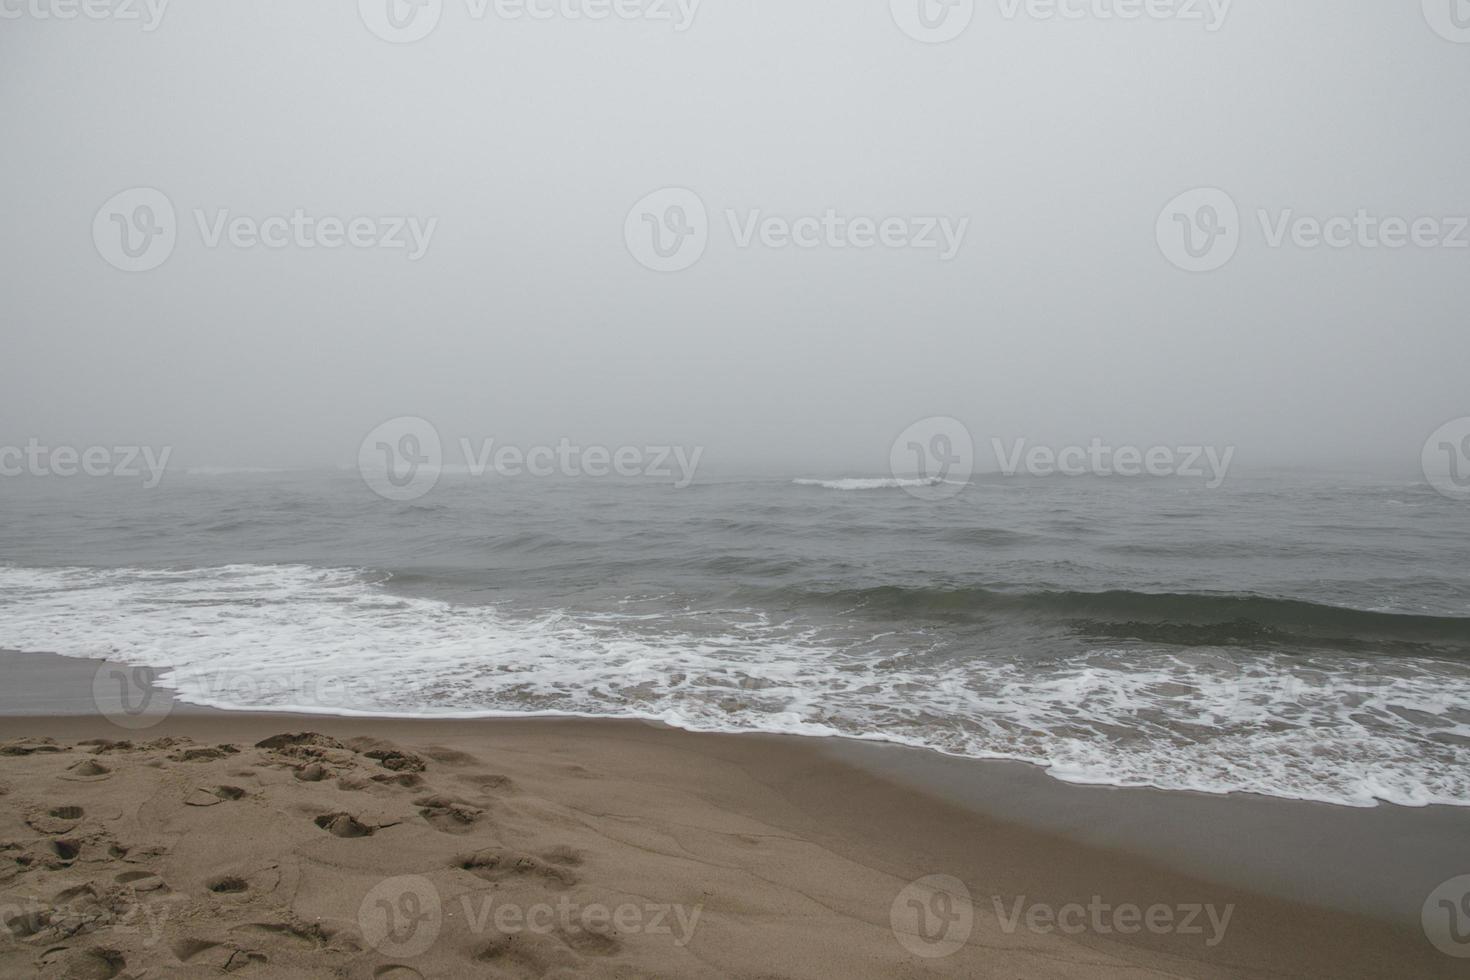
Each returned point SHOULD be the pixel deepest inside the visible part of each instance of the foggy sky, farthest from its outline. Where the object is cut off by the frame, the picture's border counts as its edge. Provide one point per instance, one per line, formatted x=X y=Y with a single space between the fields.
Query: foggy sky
x=528 y=320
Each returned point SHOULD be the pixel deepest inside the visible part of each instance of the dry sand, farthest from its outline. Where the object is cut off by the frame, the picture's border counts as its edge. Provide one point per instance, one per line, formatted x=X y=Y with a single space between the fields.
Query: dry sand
x=271 y=845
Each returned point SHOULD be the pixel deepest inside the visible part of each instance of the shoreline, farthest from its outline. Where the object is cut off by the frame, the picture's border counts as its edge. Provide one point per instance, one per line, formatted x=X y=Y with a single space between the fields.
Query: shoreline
x=1317 y=889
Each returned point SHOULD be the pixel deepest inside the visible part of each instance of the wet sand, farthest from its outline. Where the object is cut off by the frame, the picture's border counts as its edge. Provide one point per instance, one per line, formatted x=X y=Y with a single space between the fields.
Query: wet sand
x=559 y=847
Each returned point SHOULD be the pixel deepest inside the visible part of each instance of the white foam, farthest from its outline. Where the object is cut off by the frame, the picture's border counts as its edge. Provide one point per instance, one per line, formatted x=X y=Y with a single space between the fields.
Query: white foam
x=337 y=641
x=875 y=484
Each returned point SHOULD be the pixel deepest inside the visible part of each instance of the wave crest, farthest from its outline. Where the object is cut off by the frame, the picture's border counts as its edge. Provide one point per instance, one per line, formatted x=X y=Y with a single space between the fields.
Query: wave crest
x=887 y=483
x=1336 y=728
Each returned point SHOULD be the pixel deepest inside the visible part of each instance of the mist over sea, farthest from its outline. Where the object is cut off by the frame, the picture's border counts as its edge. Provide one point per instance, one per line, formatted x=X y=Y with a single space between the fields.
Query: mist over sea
x=1296 y=636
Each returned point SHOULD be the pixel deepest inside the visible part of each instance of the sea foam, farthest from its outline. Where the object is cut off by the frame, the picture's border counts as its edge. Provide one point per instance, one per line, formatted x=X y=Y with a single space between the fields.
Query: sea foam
x=340 y=641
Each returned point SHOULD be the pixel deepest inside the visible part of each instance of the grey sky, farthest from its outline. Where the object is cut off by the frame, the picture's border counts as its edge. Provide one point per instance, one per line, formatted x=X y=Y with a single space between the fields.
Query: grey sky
x=528 y=320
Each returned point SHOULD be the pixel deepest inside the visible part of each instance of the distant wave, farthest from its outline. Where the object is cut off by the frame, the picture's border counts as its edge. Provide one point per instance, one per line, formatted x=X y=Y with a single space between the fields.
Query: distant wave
x=874 y=483
x=1177 y=618
x=228 y=470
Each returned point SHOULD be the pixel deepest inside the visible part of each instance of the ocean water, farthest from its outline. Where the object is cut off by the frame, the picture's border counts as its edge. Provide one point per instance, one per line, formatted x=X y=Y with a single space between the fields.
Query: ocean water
x=1295 y=636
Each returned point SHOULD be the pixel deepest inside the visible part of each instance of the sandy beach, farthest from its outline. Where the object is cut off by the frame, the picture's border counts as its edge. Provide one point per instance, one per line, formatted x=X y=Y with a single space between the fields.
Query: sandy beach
x=628 y=489
x=277 y=845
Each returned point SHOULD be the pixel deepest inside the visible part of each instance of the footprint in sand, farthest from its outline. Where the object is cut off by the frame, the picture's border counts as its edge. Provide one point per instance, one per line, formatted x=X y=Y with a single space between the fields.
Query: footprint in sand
x=305 y=936
x=63 y=853
x=305 y=752
x=522 y=956
x=290 y=740
x=68 y=895
x=141 y=881
x=87 y=770
x=516 y=956
x=206 y=753
x=568 y=857
x=133 y=854
x=498 y=864
x=397 y=761
x=227 y=885
x=403 y=780
x=53 y=855
x=11 y=865
x=396 y=971
x=30 y=746
x=387 y=755
x=201 y=954
x=166 y=742
x=187 y=949
x=450 y=757
x=27 y=924
x=344 y=825
x=590 y=943
x=212 y=796
x=57 y=820
x=94 y=963
x=488 y=782
x=447 y=814
x=101 y=746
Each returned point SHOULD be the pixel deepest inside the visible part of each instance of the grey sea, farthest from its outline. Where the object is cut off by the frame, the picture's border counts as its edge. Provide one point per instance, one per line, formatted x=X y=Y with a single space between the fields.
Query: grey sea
x=1293 y=636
